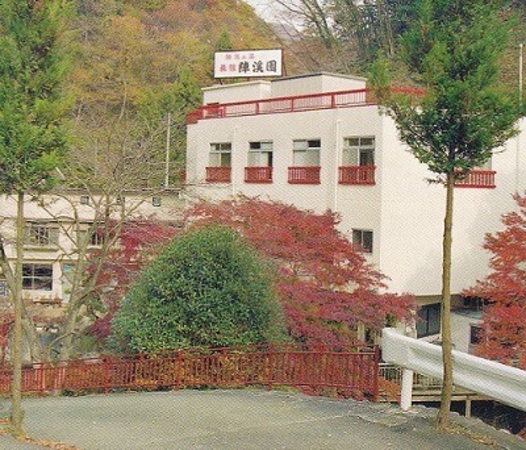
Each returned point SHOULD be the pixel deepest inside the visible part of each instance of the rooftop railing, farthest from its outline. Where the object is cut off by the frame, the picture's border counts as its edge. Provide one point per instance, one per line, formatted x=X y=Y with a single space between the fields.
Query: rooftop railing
x=310 y=102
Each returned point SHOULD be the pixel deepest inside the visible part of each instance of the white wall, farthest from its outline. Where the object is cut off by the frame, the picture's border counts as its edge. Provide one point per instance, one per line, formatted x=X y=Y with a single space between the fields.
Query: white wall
x=403 y=209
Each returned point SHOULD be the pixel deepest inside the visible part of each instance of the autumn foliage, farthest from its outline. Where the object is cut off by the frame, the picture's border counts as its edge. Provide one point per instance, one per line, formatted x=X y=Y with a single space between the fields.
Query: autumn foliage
x=504 y=318
x=326 y=285
x=139 y=242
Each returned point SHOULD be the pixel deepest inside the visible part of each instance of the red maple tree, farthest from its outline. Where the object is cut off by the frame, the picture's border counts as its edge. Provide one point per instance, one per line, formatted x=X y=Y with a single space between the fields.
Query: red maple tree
x=503 y=330
x=326 y=285
x=139 y=241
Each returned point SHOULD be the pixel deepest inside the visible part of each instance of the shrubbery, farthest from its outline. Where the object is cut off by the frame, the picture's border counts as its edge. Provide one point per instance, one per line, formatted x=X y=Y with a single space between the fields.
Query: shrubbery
x=208 y=288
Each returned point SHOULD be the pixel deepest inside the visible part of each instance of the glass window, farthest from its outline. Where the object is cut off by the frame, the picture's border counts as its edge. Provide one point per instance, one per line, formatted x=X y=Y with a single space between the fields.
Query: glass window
x=363 y=239
x=37 y=277
x=428 y=322
x=41 y=235
x=221 y=154
x=306 y=152
x=94 y=235
x=358 y=151
x=260 y=154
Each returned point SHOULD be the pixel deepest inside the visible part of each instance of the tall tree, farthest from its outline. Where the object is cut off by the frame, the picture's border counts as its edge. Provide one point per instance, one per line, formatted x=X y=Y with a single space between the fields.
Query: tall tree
x=33 y=108
x=453 y=51
x=504 y=292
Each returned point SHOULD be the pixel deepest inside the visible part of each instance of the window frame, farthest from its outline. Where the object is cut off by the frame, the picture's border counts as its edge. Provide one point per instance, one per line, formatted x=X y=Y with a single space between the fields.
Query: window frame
x=427 y=325
x=41 y=235
x=359 y=239
x=223 y=152
x=355 y=152
x=29 y=273
x=264 y=150
x=312 y=146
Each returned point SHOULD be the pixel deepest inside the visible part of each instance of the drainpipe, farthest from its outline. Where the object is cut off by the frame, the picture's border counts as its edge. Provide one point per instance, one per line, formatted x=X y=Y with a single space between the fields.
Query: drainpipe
x=336 y=159
x=233 y=162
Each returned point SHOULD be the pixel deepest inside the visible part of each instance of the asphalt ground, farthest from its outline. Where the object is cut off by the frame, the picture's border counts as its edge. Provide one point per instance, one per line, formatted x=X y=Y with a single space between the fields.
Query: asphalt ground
x=248 y=419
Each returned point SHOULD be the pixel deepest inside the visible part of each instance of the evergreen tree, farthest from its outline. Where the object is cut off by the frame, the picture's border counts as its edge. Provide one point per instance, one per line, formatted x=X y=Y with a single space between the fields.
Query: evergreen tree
x=32 y=131
x=454 y=126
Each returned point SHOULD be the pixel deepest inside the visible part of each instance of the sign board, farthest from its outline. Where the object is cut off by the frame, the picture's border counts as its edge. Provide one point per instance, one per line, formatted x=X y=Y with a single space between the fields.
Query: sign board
x=248 y=63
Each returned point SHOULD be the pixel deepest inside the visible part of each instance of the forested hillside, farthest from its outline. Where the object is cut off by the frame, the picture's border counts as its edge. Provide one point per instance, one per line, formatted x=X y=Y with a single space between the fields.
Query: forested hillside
x=137 y=69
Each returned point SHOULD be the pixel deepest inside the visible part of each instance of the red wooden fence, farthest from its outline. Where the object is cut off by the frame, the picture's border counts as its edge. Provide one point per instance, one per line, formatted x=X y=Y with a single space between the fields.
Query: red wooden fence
x=351 y=373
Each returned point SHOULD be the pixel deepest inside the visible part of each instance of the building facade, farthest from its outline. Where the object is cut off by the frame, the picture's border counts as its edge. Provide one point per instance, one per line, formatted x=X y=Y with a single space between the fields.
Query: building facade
x=320 y=142
x=62 y=225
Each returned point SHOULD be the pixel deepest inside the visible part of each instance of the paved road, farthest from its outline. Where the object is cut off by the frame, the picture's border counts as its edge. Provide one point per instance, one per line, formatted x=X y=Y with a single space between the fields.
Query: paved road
x=244 y=420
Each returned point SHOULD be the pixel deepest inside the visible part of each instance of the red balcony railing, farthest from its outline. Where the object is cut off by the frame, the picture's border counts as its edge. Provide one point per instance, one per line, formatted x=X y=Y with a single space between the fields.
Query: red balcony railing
x=326 y=100
x=356 y=175
x=304 y=175
x=477 y=179
x=218 y=174
x=258 y=174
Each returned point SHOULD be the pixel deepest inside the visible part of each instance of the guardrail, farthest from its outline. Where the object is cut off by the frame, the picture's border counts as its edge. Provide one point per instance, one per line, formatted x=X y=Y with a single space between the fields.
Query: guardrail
x=498 y=381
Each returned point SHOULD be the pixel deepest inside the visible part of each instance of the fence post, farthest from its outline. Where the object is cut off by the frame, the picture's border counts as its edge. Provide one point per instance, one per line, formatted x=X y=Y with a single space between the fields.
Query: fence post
x=376 y=365
x=179 y=371
x=270 y=370
x=107 y=363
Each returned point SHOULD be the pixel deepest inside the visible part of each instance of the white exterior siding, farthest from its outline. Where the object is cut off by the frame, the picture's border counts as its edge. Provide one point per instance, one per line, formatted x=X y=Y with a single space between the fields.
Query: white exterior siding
x=402 y=209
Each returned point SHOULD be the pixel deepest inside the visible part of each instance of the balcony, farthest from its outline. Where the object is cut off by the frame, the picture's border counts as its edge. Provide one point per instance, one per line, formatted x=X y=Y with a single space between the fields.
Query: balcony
x=361 y=175
x=477 y=179
x=258 y=174
x=218 y=174
x=304 y=175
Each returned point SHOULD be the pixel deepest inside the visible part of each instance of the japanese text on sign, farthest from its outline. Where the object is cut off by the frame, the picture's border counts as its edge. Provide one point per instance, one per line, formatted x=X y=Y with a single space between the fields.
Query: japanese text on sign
x=247 y=63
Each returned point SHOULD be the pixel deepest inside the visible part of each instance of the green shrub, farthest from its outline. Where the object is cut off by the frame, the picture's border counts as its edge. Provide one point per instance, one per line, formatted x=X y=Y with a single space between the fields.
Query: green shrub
x=208 y=288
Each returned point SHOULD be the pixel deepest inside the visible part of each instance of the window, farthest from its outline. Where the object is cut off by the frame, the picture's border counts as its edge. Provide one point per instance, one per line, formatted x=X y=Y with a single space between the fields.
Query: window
x=358 y=151
x=3 y=288
x=428 y=322
x=306 y=162
x=41 y=235
x=220 y=159
x=221 y=154
x=156 y=201
x=260 y=154
x=94 y=234
x=84 y=199
x=363 y=239
x=259 y=168
x=357 y=161
x=37 y=277
x=474 y=334
x=306 y=152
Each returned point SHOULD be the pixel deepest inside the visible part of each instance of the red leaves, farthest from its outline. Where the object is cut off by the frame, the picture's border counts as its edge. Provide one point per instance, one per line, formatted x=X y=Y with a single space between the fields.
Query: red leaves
x=503 y=334
x=327 y=288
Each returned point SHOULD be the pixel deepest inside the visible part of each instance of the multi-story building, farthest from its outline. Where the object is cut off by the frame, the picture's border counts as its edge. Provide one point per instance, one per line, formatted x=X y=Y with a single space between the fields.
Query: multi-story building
x=320 y=142
x=61 y=225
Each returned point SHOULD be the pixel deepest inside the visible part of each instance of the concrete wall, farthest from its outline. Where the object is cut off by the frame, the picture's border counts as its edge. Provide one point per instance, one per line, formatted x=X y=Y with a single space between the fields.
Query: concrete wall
x=403 y=209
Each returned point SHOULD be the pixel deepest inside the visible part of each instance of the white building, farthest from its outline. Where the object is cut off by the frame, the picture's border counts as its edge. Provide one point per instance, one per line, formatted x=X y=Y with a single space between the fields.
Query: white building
x=58 y=224
x=319 y=142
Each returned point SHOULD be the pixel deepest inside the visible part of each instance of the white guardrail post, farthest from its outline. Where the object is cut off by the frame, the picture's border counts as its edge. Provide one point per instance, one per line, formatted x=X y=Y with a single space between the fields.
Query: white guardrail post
x=498 y=381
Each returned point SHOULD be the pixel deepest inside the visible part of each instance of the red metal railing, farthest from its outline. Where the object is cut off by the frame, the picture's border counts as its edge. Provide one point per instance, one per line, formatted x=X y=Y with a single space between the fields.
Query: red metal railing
x=304 y=175
x=477 y=179
x=352 y=373
x=258 y=174
x=218 y=174
x=340 y=99
x=356 y=175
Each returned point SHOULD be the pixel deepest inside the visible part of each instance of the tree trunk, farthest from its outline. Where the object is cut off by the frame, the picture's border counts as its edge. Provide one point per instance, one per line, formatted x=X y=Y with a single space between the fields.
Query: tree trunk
x=16 y=388
x=447 y=347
